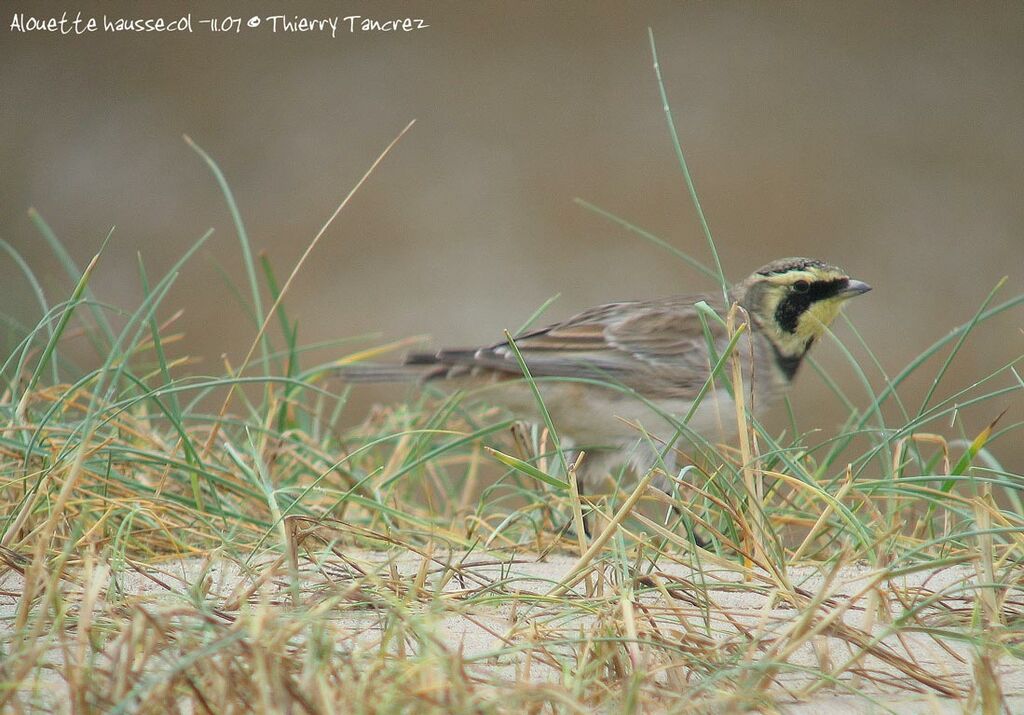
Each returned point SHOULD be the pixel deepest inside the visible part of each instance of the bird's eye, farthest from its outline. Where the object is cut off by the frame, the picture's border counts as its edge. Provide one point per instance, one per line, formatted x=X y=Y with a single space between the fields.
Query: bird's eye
x=801 y=287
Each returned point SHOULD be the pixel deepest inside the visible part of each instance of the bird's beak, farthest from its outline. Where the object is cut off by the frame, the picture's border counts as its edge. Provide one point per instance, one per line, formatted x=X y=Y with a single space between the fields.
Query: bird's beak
x=854 y=288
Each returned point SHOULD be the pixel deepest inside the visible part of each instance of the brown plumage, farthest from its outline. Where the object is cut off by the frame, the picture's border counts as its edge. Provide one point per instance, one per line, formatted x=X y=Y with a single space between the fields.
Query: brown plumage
x=652 y=358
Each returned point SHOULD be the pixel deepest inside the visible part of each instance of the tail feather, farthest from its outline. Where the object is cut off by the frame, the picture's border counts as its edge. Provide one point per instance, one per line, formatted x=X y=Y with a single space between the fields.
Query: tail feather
x=382 y=372
x=418 y=367
x=421 y=359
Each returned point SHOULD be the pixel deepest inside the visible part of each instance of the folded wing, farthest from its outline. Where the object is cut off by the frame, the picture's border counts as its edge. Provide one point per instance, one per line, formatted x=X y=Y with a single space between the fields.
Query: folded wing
x=657 y=348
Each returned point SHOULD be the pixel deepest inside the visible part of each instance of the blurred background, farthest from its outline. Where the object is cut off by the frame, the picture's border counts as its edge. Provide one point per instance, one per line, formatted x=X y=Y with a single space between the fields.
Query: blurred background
x=887 y=138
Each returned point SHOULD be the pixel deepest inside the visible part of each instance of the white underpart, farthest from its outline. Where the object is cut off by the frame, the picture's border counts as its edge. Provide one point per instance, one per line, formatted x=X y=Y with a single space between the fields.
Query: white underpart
x=616 y=422
x=595 y=419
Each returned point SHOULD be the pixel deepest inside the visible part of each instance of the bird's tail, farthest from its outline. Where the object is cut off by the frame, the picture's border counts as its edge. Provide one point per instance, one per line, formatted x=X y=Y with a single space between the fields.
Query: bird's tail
x=418 y=367
x=381 y=372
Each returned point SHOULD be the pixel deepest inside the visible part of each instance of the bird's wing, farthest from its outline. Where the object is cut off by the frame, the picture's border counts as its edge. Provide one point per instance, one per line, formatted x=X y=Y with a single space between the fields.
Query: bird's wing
x=658 y=348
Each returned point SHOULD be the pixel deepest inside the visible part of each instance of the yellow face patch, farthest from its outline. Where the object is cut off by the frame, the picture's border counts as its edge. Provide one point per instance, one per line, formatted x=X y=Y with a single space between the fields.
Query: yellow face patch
x=818 y=317
x=799 y=305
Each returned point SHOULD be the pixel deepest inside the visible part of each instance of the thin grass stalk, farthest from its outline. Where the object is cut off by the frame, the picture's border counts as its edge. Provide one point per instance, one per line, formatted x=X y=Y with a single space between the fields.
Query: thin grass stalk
x=260 y=334
x=577 y=572
x=753 y=481
x=37 y=290
x=666 y=107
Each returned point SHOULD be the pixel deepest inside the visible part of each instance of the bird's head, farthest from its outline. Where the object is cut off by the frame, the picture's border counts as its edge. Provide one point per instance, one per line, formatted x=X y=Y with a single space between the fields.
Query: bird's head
x=793 y=300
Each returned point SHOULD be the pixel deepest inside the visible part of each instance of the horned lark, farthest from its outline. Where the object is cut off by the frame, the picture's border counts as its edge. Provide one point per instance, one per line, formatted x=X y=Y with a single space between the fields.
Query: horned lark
x=613 y=369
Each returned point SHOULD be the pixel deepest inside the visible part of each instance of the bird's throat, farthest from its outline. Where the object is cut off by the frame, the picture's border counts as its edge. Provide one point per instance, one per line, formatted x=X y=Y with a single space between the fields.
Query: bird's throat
x=788 y=363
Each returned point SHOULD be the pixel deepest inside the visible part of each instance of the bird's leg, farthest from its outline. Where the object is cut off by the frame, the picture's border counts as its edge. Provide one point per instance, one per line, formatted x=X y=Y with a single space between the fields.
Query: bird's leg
x=666 y=483
x=584 y=474
x=594 y=467
x=588 y=518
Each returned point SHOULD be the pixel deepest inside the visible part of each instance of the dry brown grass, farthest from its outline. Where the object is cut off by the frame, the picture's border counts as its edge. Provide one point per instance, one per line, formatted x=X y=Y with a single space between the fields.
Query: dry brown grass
x=220 y=544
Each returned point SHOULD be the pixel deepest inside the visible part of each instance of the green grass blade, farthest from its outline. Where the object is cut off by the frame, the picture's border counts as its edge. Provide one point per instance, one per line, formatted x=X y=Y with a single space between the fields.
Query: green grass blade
x=545 y=415
x=51 y=345
x=666 y=107
x=37 y=289
x=970 y=325
x=75 y=274
x=528 y=469
x=243 y=242
x=660 y=242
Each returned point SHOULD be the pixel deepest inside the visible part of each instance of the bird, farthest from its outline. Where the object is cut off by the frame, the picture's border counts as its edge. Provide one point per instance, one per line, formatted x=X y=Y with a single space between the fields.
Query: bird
x=617 y=379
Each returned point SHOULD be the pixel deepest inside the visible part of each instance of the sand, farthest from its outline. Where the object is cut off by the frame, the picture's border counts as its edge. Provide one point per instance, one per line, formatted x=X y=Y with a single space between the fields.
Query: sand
x=500 y=637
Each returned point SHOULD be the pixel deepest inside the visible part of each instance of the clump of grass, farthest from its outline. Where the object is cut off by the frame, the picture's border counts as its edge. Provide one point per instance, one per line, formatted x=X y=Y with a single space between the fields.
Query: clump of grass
x=220 y=542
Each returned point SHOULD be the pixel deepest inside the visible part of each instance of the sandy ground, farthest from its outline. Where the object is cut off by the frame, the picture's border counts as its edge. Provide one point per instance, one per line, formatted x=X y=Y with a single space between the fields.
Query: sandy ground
x=481 y=630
